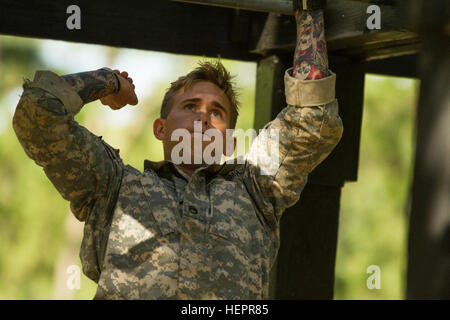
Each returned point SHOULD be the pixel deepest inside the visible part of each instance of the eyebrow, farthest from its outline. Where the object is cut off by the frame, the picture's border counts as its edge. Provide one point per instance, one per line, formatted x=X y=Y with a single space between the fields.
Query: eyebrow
x=215 y=103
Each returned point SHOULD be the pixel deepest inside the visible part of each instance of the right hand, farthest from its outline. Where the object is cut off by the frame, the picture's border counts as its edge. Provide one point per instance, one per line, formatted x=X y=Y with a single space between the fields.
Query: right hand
x=125 y=96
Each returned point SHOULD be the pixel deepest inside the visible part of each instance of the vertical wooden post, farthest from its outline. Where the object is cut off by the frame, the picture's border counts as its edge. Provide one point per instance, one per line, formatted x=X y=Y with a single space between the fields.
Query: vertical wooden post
x=305 y=265
x=269 y=100
x=429 y=226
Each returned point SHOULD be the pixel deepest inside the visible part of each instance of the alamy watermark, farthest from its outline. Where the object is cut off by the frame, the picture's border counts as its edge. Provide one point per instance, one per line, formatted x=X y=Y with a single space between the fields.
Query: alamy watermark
x=74 y=20
x=73 y=281
x=374 y=280
x=208 y=147
x=374 y=20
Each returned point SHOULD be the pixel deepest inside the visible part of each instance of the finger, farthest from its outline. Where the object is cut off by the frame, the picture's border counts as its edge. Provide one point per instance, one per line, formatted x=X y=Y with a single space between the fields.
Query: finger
x=124 y=74
x=134 y=100
x=116 y=71
x=130 y=80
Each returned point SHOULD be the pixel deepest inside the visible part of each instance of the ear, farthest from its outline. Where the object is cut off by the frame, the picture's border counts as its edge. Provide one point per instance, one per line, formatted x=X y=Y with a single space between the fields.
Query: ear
x=159 y=129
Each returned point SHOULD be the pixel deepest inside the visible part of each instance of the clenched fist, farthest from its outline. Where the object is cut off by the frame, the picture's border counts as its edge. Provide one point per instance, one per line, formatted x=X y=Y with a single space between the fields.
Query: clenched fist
x=125 y=96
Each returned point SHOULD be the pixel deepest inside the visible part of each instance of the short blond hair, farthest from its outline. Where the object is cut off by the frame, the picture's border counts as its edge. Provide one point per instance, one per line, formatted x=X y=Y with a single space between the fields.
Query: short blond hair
x=213 y=72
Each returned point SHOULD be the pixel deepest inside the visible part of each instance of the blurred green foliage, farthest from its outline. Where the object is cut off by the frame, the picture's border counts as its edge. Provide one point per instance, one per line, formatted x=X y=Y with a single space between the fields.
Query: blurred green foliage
x=39 y=238
x=374 y=210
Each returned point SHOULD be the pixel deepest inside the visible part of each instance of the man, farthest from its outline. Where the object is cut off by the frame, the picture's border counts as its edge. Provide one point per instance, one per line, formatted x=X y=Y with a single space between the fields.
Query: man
x=186 y=231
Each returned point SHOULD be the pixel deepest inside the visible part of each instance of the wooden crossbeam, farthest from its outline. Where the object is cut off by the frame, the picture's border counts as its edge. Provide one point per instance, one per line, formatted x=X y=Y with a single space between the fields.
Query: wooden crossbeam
x=169 y=26
x=346 y=32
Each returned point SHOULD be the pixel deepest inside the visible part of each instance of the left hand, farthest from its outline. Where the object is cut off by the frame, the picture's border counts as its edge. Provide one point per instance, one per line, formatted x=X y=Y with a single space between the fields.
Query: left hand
x=125 y=96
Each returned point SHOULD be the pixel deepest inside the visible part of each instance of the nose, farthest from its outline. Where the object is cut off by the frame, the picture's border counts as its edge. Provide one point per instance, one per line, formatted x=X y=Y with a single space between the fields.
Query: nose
x=203 y=116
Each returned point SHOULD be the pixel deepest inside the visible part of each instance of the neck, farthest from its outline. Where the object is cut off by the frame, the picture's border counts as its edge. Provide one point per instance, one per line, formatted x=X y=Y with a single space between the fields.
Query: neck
x=186 y=168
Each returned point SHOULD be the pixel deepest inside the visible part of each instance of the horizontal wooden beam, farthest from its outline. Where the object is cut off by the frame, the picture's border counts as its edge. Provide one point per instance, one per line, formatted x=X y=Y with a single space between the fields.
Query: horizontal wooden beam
x=346 y=32
x=404 y=66
x=158 y=25
x=185 y=28
x=276 y=6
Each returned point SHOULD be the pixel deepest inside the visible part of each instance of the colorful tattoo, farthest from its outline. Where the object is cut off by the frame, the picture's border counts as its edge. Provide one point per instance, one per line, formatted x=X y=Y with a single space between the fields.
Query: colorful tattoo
x=311 y=58
x=93 y=85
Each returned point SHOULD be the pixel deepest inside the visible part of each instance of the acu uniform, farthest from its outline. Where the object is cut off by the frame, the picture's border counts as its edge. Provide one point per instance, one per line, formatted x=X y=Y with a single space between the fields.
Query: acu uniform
x=159 y=234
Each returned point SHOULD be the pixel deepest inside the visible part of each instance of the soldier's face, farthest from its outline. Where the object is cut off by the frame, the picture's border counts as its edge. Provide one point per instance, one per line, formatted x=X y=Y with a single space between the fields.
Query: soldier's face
x=204 y=104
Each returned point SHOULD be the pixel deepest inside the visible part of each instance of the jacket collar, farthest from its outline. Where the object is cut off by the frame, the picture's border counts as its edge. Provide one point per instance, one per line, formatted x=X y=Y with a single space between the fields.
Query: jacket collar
x=209 y=171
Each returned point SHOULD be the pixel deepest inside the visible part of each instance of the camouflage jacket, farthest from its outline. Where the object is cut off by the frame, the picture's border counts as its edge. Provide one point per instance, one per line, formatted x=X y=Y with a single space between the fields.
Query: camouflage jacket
x=136 y=245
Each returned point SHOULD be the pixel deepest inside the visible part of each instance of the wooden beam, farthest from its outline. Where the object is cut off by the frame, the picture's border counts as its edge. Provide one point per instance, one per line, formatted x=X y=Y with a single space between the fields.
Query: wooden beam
x=429 y=221
x=350 y=94
x=273 y=6
x=346 y=32
x=168 y=26
x=276 y=6
x=269 y=99
x=305 y=266
x=159 y=25
x=404 y=66
x=429 y=235
x=269 y=90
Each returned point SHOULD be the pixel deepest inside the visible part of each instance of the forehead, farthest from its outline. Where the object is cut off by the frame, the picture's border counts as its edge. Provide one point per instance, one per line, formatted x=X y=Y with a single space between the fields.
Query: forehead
x=204 y=90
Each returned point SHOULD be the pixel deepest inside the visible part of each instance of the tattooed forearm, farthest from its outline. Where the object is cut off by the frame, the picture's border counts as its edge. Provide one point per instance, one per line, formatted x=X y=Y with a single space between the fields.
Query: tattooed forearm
x=311 y=58
x=93 y=85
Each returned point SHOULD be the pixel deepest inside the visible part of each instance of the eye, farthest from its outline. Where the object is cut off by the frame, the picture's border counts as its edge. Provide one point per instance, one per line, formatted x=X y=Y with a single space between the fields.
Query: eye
x=216 y=113
x=189 y=106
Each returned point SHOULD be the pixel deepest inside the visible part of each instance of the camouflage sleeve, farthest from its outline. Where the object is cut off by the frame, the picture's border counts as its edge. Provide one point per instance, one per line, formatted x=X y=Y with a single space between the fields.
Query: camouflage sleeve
x=81 y=166
x=301 y=136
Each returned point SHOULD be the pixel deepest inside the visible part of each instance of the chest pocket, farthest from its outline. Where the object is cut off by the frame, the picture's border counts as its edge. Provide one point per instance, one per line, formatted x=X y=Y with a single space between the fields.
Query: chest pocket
x=227 y=220
x=162 y=207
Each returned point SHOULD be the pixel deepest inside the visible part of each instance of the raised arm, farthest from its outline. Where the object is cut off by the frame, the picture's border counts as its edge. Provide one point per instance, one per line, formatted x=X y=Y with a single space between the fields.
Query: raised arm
x=304 y=133
x=105 y=84
x=311 y=57
x=82 y=167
